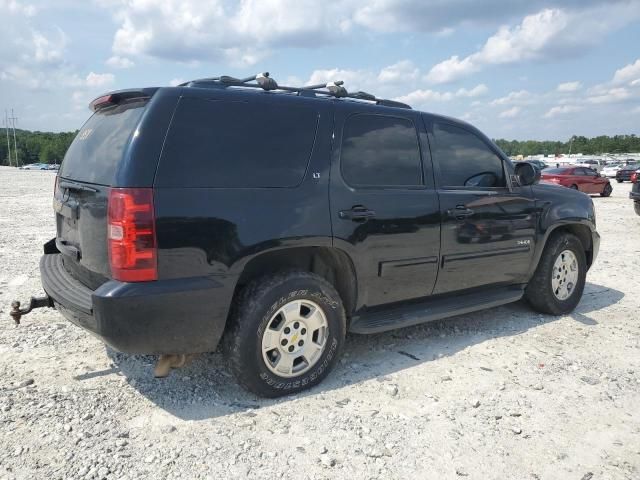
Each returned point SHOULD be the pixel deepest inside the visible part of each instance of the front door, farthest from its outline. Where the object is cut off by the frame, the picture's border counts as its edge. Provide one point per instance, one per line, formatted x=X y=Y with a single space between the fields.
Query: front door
x=488 y=225
x=384 y=210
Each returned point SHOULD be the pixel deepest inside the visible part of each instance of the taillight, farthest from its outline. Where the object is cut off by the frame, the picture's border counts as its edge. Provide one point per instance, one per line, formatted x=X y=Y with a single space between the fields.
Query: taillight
x=131 y=235
x=634 y=177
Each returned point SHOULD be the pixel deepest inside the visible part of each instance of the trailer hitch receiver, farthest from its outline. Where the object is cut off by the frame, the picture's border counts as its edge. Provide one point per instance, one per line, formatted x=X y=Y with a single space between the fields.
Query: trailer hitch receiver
x=35 y=302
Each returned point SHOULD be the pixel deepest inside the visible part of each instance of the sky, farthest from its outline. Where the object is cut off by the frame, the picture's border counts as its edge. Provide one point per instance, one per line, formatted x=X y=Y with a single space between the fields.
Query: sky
x=517 y=69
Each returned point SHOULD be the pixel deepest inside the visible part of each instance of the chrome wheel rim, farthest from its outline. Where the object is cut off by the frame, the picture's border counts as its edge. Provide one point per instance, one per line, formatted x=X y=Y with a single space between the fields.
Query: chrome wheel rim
x=294 y=338
x=565 y=275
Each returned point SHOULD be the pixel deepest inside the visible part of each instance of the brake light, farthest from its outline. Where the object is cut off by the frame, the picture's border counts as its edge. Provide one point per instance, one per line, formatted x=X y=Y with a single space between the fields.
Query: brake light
x=131 y=235
x=634 y=177
x=100 y=102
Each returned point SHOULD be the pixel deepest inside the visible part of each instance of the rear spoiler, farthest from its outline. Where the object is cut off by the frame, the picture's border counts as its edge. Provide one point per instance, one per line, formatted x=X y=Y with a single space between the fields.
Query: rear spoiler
x=119 y=96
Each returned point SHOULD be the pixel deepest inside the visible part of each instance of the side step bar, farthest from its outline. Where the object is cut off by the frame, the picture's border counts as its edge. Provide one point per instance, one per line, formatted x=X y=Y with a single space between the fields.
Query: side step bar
x=408 y=315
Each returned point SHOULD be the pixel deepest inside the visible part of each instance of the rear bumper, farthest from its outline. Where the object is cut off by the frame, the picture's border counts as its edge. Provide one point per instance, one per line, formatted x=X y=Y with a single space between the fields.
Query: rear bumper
x=167 y=316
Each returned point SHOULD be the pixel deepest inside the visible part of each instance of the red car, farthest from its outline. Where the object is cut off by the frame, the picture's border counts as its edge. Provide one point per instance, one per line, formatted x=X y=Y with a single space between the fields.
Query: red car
x=579 y=178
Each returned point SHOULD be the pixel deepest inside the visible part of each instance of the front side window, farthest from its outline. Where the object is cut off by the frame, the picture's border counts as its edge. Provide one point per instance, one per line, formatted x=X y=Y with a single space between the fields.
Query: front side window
x=465 y=160
x=380 y=151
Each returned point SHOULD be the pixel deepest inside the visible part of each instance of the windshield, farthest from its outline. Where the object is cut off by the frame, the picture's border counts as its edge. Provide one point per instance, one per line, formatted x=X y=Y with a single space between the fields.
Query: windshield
x=95 y=153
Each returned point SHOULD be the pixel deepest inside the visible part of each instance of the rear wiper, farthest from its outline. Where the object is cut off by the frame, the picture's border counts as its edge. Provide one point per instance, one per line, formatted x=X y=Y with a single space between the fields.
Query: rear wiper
x=76 y=186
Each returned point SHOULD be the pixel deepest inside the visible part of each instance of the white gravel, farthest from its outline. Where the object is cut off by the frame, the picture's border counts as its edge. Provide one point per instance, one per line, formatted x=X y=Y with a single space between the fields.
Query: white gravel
x=501 y=394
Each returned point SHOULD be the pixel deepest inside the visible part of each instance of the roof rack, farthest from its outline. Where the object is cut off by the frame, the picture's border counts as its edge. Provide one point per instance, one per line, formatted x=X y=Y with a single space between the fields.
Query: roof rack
x=267 y=83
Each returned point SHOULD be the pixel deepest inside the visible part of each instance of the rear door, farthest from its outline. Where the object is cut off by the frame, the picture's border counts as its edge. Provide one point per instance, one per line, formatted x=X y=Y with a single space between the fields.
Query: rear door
x=488 y=225
x=384 y=210
x=80 y=200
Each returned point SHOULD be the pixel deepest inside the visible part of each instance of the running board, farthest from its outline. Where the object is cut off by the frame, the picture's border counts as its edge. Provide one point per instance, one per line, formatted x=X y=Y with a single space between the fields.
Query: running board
x=436 y=309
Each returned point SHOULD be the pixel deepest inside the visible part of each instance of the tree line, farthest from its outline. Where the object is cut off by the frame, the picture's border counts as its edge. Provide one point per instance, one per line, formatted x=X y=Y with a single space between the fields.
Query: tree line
x=48 y=147
x=576 y=144
x=35 y=147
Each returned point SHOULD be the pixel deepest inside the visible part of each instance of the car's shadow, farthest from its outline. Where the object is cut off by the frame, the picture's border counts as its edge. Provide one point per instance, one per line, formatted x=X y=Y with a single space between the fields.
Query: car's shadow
x=205 y=388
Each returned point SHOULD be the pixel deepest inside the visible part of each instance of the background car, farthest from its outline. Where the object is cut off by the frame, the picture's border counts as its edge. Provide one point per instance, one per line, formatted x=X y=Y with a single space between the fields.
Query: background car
x=34 y=166
x=611 y=170
x=624 y=174
x=596 y=165
x=579 y=178
x=635 y=191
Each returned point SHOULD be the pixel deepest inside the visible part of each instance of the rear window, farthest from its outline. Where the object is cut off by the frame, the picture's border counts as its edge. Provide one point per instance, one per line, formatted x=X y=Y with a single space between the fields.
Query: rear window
x=235 y=144
x=96 y=151
x=556 y=171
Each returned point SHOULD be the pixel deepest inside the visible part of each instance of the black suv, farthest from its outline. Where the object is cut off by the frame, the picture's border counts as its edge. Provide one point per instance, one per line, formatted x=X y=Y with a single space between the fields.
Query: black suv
x=277 y=219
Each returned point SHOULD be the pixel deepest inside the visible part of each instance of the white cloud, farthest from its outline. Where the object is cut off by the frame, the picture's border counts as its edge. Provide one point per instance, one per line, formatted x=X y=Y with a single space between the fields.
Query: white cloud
x=451 y=69
x=548 y=33
x=629 y=73
x=176 y=81
x=520 y=97
x=428 y=96
x=99 y=79
x=569 y=87
x=116 y=61
x=510 y=113
x=16 y=7
x=402 y=71
x=610 y=96
x=476 y=91
x=561 y=110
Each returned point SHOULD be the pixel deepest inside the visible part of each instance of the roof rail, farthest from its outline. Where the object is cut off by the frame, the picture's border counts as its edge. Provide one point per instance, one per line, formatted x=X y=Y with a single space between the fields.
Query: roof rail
x=265 y=82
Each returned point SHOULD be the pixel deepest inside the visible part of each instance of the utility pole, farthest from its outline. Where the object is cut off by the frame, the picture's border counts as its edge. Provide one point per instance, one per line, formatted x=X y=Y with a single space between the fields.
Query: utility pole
x=6 y=126
x=15 y=144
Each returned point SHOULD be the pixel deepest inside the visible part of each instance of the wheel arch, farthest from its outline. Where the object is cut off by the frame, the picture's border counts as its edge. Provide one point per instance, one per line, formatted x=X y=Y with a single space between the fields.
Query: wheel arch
x=332 y=264
x=580 y=230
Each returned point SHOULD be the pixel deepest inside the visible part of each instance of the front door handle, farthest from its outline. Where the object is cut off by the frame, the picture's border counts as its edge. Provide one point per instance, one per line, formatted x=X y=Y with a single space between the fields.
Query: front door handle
x=460 y=212
x=357 y=213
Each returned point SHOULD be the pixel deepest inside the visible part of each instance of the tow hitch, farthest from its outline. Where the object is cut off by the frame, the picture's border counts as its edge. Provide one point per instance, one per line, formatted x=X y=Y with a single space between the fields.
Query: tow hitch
x=35 y=302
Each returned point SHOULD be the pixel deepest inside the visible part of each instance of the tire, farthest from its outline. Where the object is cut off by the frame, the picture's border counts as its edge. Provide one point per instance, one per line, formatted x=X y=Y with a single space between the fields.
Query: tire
x=619 y=180
x=540 y=292
x=606 y=191
x=258 y=308
x=574 y=187
x=636 y=207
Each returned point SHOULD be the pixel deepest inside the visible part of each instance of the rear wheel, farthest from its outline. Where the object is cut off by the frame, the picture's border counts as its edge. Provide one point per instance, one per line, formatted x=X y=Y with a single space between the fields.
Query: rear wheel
x=606 y=191
x=619 y=180
x=558 y=283
x=286 y=334
x=574 y=187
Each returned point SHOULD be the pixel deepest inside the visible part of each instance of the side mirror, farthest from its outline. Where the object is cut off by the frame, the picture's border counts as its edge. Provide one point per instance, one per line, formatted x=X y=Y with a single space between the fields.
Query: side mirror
x=527 y=174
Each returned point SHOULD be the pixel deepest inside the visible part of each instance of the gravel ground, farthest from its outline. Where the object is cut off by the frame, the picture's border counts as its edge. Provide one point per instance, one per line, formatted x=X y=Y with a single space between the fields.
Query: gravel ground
x=504 y=394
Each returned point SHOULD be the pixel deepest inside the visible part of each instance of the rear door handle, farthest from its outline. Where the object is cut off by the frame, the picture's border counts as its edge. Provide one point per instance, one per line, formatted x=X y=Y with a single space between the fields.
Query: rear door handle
x=460 y=212
x=357 y=213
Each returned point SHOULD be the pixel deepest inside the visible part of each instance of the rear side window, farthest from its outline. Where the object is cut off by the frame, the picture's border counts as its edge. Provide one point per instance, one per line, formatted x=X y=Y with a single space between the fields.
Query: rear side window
x=99 y=147
x=465 y=160
x=380 y=151
x=215 y=143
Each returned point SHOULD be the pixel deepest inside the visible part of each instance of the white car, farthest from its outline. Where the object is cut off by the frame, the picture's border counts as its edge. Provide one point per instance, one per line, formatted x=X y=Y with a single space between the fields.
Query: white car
x=34 y=166
x=611 y=170
x=596 y=165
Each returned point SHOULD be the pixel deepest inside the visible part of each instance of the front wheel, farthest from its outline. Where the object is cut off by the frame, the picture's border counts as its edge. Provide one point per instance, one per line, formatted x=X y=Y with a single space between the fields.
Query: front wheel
x=557 y=285
x=619 y=180
x=287 y=332
x=606 y=191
